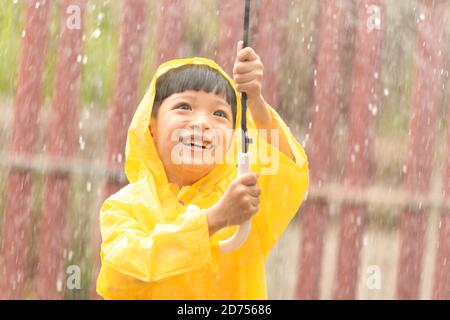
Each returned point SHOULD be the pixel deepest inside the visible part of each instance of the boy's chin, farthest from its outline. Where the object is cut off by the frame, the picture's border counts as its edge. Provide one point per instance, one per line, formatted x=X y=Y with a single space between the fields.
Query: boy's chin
x=197 y=168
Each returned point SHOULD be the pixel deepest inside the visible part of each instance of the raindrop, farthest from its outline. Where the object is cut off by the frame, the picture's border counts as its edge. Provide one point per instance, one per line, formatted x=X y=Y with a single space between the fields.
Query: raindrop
x=23 y=33
x=352 y=158
x=316 y=109
x=59 y=285
x=365 y=241
x=357 y=148
x=100 y=16
x=305 y=140
x=38 y=4
x=404 y=168
x=88 y=186
x=386 y=92
x=119 y=158
x=81 y=143
x=422 y=16
x=96 y=34
x=374 y=110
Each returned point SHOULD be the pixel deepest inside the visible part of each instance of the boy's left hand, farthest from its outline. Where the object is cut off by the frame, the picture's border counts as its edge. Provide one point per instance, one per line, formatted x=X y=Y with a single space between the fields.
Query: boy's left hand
x=248 y=75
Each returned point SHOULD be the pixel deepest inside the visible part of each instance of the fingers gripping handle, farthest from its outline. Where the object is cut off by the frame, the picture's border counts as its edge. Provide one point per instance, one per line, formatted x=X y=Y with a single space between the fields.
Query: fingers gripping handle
x=241 y=234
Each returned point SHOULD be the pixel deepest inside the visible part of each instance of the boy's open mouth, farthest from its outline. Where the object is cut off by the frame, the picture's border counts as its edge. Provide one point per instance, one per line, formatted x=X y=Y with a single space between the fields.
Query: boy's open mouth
x=198 y=142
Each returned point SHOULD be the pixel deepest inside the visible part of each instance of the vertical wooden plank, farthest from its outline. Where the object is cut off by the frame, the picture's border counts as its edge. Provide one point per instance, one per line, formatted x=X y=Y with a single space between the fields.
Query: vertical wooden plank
x=363 y=107
x=425 y=106
x=325 y=98
x=126 y=96
x=441 y=288
x=270 y=45
x=170 y=32
x=28 y=100
x=61 y=146
x=126 y=93
x=231 y=16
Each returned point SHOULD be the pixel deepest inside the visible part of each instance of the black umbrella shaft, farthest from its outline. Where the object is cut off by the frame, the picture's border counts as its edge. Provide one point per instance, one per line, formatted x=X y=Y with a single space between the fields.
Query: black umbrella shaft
x=245 y=139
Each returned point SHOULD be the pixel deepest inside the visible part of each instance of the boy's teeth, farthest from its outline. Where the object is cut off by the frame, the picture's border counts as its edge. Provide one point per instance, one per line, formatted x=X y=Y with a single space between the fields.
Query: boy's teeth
x=203 y=145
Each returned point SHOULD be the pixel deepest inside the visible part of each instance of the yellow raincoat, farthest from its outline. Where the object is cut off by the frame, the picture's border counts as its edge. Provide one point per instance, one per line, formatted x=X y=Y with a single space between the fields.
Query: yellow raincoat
x=153 y=248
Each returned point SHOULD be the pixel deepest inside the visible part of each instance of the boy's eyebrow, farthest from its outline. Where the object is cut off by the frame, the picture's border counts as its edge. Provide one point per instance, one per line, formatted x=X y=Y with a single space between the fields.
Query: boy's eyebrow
x=192 y=97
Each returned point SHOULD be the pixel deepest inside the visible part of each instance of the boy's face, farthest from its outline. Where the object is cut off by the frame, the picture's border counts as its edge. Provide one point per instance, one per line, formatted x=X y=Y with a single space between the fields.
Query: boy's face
x=192 y=132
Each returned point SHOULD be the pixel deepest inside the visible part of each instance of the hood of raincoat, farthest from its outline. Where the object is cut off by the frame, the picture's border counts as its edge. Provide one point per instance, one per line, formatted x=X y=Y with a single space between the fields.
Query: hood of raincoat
x=142 y=159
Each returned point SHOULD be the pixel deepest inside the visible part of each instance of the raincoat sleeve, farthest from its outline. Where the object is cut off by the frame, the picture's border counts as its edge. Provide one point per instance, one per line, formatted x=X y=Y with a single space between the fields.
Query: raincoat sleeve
x=136 y=244
x=284 y=183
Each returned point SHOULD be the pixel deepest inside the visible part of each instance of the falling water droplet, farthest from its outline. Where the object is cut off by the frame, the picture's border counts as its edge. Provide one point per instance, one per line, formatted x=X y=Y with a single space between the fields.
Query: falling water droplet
x=404 y=168
x=81 y=143
x=96 y=34
x=59 y=285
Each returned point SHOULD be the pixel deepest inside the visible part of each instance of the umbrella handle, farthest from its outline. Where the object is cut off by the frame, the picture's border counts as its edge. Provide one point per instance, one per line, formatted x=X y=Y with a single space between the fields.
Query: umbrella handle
x=239 y=237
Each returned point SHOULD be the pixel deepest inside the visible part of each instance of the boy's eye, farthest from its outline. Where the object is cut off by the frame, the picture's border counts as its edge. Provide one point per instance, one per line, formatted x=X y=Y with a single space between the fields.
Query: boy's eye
x=221 y=113
x=183 y=107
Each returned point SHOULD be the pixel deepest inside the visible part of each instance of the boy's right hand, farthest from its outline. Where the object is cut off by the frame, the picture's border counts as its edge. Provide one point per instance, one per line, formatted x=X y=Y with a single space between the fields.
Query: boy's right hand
x=239 y=203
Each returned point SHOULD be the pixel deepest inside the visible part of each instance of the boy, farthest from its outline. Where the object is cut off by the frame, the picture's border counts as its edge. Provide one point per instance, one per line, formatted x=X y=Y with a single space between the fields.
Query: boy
x=161 y=232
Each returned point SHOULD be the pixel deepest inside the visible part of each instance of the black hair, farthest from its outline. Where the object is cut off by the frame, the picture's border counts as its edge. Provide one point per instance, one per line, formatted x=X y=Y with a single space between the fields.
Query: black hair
x=197 y=78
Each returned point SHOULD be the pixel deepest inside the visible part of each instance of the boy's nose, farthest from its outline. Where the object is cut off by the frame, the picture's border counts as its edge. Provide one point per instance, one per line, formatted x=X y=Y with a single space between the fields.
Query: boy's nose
x=200 y=123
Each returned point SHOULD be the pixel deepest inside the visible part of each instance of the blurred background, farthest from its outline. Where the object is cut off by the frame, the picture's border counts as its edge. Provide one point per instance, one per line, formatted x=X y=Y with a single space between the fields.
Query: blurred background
x=363 y=85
